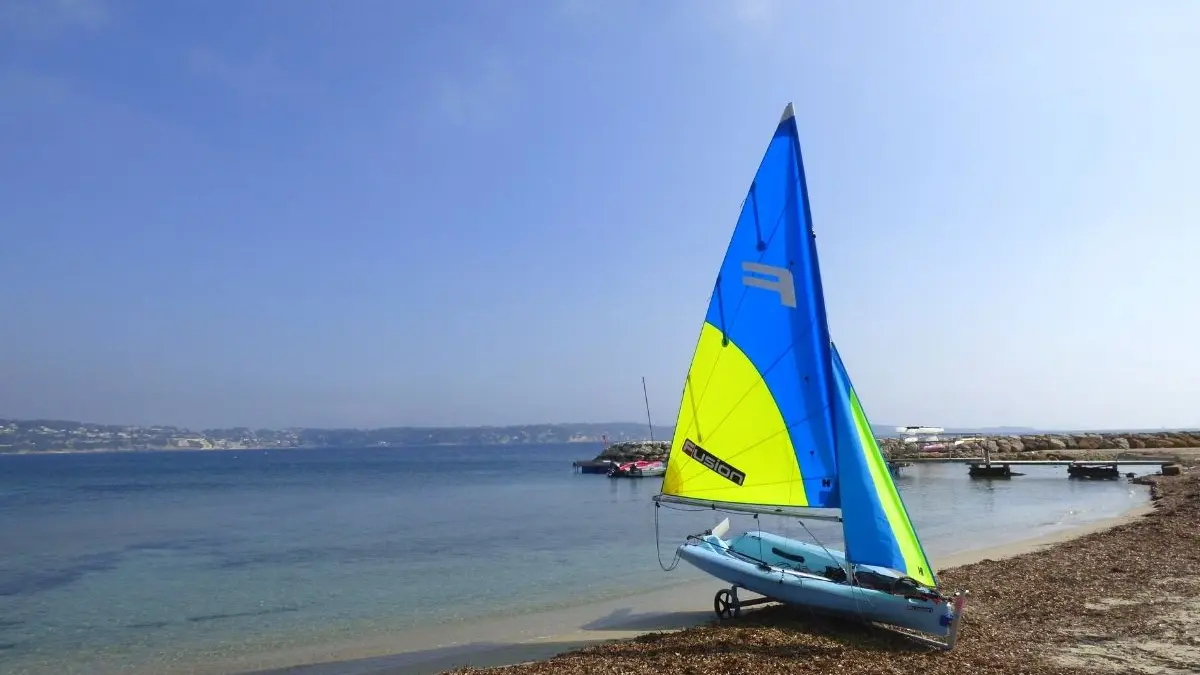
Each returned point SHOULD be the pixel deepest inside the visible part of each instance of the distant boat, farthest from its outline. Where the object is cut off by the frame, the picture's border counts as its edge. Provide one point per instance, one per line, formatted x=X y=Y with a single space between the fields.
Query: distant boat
x=638 y=469
x=769 y=423
x=914 y=429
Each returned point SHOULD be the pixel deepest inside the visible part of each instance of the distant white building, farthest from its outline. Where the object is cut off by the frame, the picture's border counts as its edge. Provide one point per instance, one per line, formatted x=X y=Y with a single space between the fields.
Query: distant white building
x=913 y=434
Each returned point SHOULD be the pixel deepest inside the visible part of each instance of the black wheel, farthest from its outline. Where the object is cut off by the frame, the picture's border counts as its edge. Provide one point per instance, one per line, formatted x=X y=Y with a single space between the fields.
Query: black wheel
x=726 y=604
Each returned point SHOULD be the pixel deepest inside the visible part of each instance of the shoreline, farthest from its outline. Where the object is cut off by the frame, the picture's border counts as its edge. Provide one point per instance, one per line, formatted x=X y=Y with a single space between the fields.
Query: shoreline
x=133 y=451
x=1180 y=455
x=1117 y=599
x=1041 y=542
x=678 y=609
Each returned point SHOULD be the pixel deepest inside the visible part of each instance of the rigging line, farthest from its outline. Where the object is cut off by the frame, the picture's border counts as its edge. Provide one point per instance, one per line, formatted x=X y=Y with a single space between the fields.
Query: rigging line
x=816 y=539
x=726 y=325
x=691 y=396
x=762 y=382
x=658 y=547
x=858 y=596
x=708 y=435
x=708 y=376
x=759 y=244
x=779 y=219
x=721 y=313
x=758 y=523
x=675 y=507
x=696 y=403
x=699 y=470
x=759 y=442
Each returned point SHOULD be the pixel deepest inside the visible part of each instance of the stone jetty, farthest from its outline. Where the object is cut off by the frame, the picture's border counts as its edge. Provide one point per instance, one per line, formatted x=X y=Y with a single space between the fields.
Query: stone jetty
x=1030 y=446
x=632 y=451
x=1180 y=444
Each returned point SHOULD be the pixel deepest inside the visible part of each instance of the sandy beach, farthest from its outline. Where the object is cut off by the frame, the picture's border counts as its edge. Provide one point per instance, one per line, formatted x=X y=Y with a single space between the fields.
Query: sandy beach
x=1063 y=603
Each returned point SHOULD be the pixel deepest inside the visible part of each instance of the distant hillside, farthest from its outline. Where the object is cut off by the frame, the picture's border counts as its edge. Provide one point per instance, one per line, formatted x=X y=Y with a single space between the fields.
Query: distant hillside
x=69 y=436
x=582 y=432
x=19 y=436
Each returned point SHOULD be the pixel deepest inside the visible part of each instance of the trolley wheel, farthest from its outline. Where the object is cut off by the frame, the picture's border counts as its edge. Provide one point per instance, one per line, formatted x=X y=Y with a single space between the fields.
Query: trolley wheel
x=726 y=604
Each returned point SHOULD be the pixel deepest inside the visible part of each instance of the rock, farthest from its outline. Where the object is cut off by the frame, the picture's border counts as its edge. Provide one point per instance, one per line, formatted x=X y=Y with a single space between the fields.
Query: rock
x=1033 y=446
x=1180 y=439
x=1037 y=443
x=629 y=451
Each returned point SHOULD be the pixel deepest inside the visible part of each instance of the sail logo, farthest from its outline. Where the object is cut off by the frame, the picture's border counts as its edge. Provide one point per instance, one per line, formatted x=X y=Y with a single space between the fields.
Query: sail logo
x=778 y=279
x=713 y=463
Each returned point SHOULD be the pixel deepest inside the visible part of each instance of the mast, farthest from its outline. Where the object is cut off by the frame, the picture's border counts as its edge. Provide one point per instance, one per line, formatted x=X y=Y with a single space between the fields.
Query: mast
x=647 y=399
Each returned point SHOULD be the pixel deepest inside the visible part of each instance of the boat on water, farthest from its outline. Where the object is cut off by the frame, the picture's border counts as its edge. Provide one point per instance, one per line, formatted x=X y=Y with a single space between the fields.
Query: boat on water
x=770 y=423
x=638 y=469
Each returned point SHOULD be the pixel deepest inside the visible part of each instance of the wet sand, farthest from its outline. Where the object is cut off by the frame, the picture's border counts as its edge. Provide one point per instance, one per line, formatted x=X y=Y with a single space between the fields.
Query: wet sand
x=672 y=630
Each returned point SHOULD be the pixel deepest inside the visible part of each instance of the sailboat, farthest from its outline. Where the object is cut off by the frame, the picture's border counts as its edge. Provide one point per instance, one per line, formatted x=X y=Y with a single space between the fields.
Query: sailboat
x=769 y=423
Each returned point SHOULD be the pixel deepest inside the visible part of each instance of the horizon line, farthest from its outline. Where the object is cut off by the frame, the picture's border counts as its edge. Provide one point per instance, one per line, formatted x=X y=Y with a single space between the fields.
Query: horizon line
x=891 y=427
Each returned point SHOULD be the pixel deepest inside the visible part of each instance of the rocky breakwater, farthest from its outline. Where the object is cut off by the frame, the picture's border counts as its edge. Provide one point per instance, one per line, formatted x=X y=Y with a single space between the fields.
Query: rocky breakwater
x=1181 y=446
x=632 y=451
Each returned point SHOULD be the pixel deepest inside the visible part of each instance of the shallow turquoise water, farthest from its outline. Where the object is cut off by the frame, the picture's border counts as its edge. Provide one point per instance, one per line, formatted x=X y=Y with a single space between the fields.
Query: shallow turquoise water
x=163 y=560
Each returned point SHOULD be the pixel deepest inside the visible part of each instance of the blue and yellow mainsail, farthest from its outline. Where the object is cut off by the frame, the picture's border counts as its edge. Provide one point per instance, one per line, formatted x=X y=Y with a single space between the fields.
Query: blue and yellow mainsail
x=768 y=417
x=754 y=424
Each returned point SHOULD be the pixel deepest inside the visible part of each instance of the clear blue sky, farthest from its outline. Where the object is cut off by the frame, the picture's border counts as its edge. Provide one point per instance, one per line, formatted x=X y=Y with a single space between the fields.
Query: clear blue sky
x=380 y=212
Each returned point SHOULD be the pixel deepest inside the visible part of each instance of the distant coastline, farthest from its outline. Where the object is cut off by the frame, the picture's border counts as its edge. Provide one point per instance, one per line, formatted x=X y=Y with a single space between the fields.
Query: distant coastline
x=64 y=436
x=44 y=436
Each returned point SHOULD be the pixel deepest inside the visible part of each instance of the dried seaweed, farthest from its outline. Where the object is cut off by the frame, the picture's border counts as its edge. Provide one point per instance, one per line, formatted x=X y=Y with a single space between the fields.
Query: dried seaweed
x=1024 y=612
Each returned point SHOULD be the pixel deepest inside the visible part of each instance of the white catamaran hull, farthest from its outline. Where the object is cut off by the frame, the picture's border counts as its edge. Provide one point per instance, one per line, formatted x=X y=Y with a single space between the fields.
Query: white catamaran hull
x=793 y=572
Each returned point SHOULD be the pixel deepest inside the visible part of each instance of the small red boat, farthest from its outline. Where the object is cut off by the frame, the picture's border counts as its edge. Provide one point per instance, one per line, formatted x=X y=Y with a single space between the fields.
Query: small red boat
x=641 y=468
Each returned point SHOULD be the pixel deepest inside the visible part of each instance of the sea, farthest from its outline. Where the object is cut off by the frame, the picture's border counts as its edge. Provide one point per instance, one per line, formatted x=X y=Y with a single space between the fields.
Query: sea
x=164 y=562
